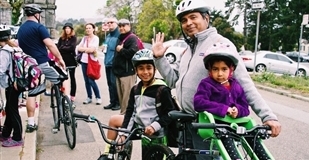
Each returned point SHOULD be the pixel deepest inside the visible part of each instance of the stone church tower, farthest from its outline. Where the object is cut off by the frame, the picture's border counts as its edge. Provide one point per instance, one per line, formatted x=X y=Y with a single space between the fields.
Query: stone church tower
x=5 y=12
x=48 y=18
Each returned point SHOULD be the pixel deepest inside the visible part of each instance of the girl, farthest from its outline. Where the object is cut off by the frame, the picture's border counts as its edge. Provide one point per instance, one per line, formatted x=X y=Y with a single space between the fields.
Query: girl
x=221 y=94
x=88 y=45
x=66 y=45
x=13 y=120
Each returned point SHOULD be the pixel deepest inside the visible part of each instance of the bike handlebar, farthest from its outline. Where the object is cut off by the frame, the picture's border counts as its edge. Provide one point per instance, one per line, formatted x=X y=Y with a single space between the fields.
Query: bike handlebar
x=238 y=130
x=90 y=118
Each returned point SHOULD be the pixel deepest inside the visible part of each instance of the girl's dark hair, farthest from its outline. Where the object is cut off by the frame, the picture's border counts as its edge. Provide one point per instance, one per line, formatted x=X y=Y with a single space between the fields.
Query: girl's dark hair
x=93 y=26
x=226 y=60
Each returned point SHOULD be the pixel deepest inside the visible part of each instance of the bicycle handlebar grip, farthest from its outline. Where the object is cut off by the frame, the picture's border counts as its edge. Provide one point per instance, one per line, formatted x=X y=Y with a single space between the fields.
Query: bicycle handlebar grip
x=204 y=125
x=81 y=116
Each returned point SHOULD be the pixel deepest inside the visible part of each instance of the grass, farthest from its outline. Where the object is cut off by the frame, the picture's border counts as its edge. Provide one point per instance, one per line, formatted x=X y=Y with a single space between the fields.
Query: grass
x=298 y=85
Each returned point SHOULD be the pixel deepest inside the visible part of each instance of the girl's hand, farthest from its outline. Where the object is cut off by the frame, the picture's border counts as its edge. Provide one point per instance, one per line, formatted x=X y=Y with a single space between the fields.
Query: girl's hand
x=149 y=130
x=232 y=111
x=157 y=45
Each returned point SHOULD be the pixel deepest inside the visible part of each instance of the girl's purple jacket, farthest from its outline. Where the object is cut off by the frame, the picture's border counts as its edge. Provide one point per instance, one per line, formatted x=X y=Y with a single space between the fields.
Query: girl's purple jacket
x=214 y=98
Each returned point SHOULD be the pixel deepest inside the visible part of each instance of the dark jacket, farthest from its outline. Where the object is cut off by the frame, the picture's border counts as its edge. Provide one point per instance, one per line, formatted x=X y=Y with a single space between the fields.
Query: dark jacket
x=142 y=109
x=122 y=64
x=214 y=98
x=111 y=41
x=67 y=49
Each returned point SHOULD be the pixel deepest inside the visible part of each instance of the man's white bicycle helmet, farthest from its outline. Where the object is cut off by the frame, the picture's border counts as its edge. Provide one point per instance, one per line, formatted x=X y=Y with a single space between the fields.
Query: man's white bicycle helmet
x=220 y=50
x=188 y=6
x=143 y=55
x=5 y=32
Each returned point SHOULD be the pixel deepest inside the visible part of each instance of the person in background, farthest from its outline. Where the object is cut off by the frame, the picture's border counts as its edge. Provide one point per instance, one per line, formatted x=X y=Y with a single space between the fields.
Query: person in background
x=194 y=20
x=122 y=65
x=88 y=45
x=110 y=47
x=66 y=46
x=12 y=123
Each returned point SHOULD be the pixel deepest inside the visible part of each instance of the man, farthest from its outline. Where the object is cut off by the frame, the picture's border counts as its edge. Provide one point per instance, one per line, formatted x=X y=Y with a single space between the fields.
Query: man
x=110 y=46
x=194 y=19
x=33 y=38
x=122 y=65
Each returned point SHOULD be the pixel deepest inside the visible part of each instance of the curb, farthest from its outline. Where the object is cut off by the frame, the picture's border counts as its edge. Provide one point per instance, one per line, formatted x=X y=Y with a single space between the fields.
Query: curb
x=283 y=92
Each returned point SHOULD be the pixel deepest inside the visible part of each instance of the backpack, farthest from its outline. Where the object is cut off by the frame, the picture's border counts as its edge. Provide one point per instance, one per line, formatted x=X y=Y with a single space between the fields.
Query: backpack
x=172 y=133
x=26 y=71
x=140 y=44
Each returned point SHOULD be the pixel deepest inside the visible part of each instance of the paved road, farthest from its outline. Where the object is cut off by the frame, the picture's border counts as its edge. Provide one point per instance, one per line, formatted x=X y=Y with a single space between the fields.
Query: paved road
x=291 y=144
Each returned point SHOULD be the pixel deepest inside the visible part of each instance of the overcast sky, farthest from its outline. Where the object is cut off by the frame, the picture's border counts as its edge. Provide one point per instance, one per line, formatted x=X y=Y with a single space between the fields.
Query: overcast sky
x=87 y=8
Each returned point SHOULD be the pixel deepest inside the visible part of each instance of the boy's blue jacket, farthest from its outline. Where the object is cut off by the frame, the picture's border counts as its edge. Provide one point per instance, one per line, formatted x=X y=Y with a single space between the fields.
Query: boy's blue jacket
x=213 y=97
x=142 y=109
x=111 y=41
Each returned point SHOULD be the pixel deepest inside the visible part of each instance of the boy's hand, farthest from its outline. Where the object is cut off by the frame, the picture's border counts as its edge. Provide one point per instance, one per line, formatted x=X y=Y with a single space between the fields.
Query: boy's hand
x=149 y=130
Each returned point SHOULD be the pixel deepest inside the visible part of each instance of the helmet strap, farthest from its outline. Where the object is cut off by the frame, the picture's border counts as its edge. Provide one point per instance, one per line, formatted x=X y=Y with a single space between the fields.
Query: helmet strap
x=38 y=19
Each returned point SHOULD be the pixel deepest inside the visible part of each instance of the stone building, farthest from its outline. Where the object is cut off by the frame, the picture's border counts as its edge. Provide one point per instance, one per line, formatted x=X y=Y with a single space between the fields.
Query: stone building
x=48 y=18
x=5 y=12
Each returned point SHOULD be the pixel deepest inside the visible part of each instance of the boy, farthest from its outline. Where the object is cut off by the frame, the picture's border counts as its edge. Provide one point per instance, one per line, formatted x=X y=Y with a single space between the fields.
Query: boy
x=142 y=110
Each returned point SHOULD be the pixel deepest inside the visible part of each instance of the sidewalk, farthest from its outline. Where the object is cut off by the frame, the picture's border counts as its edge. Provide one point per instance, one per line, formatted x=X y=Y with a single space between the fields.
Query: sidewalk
x=28 y=150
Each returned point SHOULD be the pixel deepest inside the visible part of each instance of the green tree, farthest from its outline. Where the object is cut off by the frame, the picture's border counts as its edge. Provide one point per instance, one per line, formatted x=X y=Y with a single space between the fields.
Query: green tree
x=16 y=10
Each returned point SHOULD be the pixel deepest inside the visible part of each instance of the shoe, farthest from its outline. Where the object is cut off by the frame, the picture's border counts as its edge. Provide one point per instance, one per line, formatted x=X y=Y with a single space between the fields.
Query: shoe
x=110 y=106
x=99 y=101
x=12 y=143
x=103 y=157
x=31 y=128
x=116 y=107
x=3 y=138
x=87 y=101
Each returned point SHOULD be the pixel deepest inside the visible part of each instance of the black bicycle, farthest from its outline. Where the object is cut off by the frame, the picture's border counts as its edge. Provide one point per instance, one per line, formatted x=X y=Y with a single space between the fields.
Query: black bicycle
x=115 y=152
x=63 y=111
x=217 y=150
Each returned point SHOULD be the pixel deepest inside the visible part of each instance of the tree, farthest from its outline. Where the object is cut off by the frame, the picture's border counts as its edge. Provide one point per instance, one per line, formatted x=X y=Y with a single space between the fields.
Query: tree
x=16 y=10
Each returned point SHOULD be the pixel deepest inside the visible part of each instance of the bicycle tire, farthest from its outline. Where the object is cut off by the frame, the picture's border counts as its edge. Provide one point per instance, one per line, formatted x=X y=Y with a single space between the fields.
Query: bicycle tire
x=55 y=98
x=69 y=121
x=158 y=151
x=126 y=153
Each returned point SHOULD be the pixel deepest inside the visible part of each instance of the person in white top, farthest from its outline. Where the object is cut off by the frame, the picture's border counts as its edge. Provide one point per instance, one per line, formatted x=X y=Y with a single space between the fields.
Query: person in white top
x=88 y=45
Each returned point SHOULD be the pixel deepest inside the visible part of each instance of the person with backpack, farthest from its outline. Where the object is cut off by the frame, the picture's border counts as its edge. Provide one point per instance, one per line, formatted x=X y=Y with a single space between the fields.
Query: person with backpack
x=66 y=46
x=12 y=123
x=143 y=109
x=122 y=66
x=33 y=38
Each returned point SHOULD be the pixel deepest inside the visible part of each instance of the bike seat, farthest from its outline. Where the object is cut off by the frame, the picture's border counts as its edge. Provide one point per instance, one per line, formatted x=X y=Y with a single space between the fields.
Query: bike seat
x=182 y=116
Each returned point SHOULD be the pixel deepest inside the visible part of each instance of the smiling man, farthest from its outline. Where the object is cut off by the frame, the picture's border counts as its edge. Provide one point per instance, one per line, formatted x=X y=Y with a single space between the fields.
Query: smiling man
x=122 y=65
x=194 y=20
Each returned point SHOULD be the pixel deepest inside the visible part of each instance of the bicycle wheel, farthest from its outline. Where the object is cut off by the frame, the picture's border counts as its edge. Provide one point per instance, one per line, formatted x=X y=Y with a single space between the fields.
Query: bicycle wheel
x=69 y=121
x=159 y=152
x=125 y=154
x=54 y=104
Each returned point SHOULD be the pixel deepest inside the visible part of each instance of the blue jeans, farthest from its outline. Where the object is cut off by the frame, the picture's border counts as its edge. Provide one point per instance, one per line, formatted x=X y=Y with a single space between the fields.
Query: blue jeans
x=112 y=88
x=90 y=83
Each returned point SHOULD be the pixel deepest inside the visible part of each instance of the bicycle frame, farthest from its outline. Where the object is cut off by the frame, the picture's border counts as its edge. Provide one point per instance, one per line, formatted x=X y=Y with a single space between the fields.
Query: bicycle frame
x=247 y=122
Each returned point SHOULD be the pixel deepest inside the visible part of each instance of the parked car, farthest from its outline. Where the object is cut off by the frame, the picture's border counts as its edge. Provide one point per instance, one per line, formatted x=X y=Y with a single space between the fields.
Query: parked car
x=294 y=56
x=177 y=47
x=147 y=45
x=274 y=62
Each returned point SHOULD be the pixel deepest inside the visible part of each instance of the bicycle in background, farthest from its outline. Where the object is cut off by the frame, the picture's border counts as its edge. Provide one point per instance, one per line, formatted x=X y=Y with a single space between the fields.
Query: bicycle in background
x=63 y=111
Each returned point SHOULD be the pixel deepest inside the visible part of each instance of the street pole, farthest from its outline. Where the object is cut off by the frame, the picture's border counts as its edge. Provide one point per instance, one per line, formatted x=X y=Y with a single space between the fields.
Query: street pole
x=299 y=46
x=256 y=39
